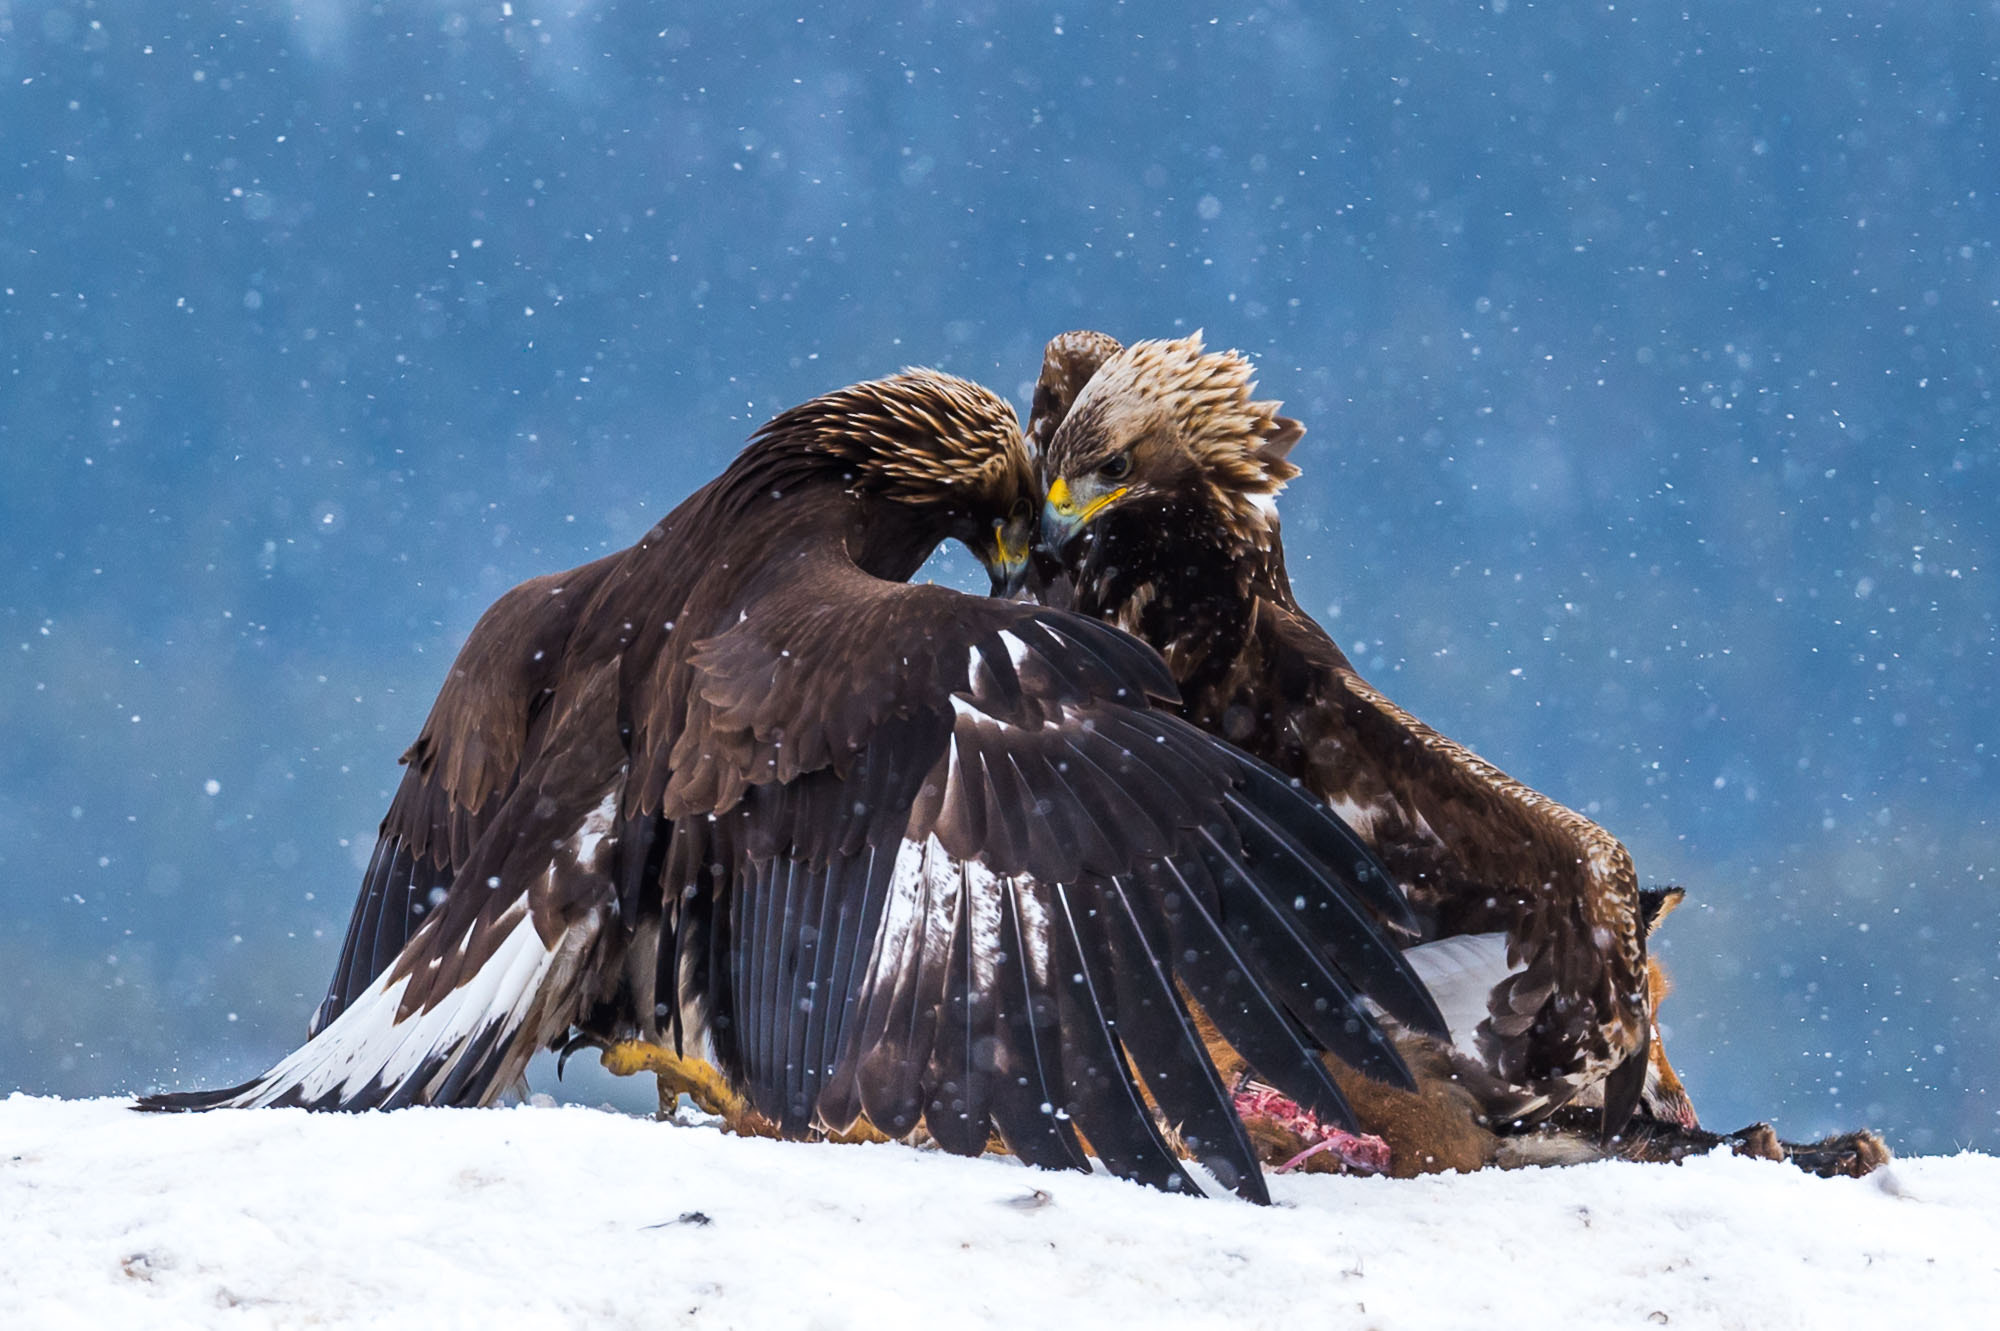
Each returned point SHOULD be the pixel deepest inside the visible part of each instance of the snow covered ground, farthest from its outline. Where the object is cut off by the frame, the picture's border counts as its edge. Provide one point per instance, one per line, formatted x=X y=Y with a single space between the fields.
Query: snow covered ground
x=556 y=1217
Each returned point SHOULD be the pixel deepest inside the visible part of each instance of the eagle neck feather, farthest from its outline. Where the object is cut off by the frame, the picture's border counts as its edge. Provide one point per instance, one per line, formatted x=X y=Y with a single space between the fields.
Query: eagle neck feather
x=1199 y=613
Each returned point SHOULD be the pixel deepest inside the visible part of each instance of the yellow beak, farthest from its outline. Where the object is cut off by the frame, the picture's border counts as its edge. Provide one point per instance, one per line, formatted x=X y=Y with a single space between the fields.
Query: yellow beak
x=1063 y=515
x=1009 y=565
x=1006 y=553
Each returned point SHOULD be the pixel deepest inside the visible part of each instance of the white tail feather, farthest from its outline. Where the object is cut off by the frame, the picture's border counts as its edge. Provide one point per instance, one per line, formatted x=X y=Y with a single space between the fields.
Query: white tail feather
x=366 y=1046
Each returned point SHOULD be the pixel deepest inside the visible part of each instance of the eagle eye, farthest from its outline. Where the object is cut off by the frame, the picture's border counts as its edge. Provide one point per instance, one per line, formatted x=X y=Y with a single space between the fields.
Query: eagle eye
x=1116 y=467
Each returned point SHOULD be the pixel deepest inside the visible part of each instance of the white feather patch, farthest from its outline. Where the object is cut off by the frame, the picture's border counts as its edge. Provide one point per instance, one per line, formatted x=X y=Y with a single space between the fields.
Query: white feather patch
x=366 y=1045
x=944 y=897
x=1034 y=923
x=597 y=825
x=1360 y=817
x=917 y=917
x=963 y=707
x=1461 y=973
x=982 y=898
x=927 y=890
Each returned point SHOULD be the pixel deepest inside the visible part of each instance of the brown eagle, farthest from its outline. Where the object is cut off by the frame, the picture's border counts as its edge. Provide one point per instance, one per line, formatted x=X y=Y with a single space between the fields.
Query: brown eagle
x=874 y=850
x=1181 y=545
x=1162 y=472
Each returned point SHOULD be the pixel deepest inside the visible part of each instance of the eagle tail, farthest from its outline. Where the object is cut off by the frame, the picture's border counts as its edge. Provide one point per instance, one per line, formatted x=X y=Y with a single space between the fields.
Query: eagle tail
x=399 y=890
x=464 y=1048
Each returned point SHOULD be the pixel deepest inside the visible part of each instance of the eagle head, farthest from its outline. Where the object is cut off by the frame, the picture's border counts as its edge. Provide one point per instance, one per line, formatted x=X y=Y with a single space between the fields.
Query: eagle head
x=1155 y=428
x=936 y=444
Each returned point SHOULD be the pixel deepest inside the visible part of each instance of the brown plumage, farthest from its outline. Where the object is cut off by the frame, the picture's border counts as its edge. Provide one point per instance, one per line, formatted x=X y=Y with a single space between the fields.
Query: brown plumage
x=1067 y=364
x=1665 y=1127
x=877 y=852
x=1189 y=557
x=1162 y=472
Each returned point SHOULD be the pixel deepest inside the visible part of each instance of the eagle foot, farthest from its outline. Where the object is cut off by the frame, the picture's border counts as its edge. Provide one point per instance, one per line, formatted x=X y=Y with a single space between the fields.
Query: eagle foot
x=698 y=1080
x=1846 y=1155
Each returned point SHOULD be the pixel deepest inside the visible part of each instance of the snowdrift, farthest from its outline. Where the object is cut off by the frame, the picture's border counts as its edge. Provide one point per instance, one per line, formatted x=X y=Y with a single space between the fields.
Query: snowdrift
x=553 y=1217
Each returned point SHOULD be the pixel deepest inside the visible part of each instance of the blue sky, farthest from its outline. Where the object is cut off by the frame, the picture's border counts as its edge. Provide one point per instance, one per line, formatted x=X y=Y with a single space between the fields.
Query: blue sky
x=1646 y=359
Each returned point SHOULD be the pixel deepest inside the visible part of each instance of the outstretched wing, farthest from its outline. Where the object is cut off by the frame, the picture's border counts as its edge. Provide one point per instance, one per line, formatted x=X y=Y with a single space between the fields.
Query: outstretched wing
x=488 y=716
x=1479 y=851
x=938 y=861
x=518 y=951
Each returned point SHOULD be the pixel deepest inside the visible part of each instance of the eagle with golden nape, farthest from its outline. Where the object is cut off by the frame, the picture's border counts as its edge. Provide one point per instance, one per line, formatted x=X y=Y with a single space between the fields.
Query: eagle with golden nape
x=882 y=854
x=1161 y=472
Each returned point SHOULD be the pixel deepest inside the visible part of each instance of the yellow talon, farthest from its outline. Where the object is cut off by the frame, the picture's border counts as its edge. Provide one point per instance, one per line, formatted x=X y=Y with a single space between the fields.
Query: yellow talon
x=710 y=1093
x=702 y=1083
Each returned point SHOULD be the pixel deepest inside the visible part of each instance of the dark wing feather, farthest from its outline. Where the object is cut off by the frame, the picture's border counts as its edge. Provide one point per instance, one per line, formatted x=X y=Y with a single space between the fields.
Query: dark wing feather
x=396 y=894
x=1154 y=1024
x=959 y=1080
x=819 y=942
x=1227 y=985
x=1276 y=940
x=1363 y=966
x=1027 y=1055
x=1102 y=1096
x=465 y=761
x=994 y=798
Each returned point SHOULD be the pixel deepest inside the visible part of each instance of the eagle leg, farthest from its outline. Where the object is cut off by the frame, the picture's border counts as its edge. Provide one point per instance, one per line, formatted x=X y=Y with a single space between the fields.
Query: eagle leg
x=701 y=1083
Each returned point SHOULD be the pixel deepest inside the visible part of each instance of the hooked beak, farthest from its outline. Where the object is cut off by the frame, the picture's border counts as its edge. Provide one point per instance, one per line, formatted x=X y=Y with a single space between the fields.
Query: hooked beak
x=1008 y=566
x=1066 y=512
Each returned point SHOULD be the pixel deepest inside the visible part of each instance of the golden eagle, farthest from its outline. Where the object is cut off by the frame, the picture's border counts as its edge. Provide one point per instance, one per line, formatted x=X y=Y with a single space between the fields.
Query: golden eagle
x=1162 y=472
x=872 y=849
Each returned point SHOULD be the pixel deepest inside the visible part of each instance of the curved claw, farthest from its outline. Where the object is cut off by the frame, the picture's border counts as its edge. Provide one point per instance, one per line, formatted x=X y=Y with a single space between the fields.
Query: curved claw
x=575 y=1042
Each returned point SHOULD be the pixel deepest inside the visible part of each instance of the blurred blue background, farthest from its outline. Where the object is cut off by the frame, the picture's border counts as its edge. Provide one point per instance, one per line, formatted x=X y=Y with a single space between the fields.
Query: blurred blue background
x=1647 y=353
